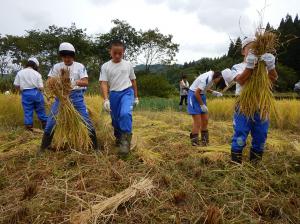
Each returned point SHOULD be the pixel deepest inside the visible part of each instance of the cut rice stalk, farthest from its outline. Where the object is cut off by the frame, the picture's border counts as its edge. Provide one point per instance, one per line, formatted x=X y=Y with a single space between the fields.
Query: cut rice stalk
x=257 y=95
x=111 y=204
x=70 y=129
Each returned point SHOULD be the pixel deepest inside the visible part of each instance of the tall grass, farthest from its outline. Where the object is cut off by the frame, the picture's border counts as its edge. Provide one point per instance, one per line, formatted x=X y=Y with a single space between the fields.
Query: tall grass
x=11 y=113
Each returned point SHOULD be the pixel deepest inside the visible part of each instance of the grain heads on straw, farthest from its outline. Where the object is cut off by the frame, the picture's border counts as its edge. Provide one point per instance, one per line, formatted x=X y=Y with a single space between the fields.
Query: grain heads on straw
x=70 y=129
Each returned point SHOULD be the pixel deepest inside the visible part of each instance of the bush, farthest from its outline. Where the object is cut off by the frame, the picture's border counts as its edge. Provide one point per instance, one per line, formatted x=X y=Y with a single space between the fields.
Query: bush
x=7 y=83
x=155 y=85
x=287 y=78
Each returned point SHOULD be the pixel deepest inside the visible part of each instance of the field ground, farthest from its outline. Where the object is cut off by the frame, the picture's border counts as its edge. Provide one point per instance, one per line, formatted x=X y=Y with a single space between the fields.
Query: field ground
x=192 y=185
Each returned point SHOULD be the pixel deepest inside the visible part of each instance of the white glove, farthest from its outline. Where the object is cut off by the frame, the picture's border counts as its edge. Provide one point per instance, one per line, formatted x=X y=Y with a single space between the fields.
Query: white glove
x=136 y=101
x=204 y=108
x=73 y=83
x=269 y=59
x=217 y=94
x=251 y=60
x=106 y=105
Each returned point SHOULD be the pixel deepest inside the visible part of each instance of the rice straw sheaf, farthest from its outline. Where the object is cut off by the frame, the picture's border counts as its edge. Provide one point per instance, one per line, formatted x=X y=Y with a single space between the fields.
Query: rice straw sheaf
x=257 y=95
x=111 y=204
x=70 y=131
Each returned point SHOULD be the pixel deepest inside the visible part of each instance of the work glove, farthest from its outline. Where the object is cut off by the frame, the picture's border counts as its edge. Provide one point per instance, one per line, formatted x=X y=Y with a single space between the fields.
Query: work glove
x=136 y=101
x=269 y=59
x=204 y=108
x=106 y=106
x=251 y=60
x=217 y=94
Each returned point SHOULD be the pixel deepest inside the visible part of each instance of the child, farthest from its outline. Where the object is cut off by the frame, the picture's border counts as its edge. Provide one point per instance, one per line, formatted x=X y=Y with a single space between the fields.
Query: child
x=197 y=104
x=119 y=89
x=184 y=88
x=30 y=83
x=244 y=125
x=79 y=80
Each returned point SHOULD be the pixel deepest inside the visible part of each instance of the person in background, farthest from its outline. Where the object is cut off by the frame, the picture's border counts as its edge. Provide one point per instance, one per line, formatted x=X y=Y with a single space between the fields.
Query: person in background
x=79 y=81
x=197 y=104
x=29 y=82
x=244 y=125
x=184 y=88
x=119 y=89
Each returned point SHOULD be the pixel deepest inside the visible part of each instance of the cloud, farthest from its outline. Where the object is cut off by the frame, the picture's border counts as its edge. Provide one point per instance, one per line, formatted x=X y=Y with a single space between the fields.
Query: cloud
x=221 y=16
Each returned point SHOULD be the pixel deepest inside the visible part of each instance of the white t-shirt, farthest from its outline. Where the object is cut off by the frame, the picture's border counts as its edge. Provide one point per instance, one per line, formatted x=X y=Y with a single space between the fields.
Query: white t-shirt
x=118 y=75
x=77 y=72
x=183 y=85
x=235 y=71
x=203 y=82
x=28 y=78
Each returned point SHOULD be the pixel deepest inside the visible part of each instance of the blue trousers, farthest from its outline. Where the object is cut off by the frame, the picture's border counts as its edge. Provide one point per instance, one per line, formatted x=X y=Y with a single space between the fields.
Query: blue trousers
x=121 y=103
x=193 y=104
x=77 y=99
x=33 y=100
x=243 y=126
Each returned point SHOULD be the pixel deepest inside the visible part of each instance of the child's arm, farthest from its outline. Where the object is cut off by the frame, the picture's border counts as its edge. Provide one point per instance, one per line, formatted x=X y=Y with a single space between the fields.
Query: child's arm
x=104 y=89
x=135 y=89
x=84 y=82
x=273 y=76
x=244 y=76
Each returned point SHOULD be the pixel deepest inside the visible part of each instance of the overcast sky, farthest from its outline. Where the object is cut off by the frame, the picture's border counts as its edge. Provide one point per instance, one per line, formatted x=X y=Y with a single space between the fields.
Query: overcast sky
x=203 y=28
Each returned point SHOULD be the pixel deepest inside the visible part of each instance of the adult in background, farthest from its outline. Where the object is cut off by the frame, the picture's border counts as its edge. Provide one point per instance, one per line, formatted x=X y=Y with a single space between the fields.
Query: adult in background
x=29 y=82
x=184 y=88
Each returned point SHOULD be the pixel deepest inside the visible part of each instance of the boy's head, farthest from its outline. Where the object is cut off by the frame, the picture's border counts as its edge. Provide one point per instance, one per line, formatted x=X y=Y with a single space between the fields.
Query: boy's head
x=183 y=77
x=219 y=80
x=67 y=53
x=117 y=50
x=247 y=45
x=33 y=63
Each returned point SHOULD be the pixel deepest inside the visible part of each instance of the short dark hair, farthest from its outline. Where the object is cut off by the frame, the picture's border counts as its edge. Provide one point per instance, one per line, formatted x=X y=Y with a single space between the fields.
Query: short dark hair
x=221 y=84
x=217 y=74
x=67 y=53
x=116 y=43
x=183 y=76
x=32 y=65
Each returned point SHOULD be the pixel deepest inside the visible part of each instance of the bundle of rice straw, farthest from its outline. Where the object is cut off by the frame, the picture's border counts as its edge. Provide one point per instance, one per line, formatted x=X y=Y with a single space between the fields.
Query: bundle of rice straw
x=257 y=95
x=111 y=204
x=70 y=130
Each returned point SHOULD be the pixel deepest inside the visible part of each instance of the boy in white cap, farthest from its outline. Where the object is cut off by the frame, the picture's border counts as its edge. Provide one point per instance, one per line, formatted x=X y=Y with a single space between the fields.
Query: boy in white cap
x=197 y=104
x=119 y=89
x=244 y=125
x=29 y=82
x=79 y=81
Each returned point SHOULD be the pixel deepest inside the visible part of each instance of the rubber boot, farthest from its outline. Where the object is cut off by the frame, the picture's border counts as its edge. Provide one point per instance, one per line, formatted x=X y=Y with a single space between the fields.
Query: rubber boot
x=236 y=157
x=46 y=143
x=44 y=125
x=125 y=144
x=204 y=138
x=180 y=108
x=29 y=128
x=118 y=142
x=194 y=139
x=255 y=157
x=94 y=140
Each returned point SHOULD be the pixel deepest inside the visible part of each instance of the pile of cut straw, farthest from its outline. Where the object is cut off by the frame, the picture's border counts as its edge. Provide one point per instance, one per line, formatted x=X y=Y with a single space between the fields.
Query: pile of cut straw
x=71 y=132
x=111 y=204
x=257 y=95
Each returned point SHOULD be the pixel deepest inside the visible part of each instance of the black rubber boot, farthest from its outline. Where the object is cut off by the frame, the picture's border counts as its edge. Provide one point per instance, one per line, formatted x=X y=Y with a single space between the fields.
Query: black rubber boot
x=29 y=128
x=94 y=140
x=236 y=157
x=44 y=125
x=204 y=138
x=255 y=157
x=194 y=139
x=125 y=144
x=46 y=143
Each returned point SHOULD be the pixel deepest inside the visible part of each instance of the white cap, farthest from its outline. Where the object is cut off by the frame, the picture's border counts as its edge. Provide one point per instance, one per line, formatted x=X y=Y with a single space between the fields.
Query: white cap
x=66 y=47
x=227 y=76
x=34 y=60
x=247 y=41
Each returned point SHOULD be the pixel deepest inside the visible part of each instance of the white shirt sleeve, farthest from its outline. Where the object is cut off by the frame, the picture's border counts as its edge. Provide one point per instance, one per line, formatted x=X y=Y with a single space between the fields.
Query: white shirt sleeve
x=103 y=74
x=17 y=80
x=83 y=72
x=54 y=71
x=40 y=81
x=235 y=71
x=132 y=74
